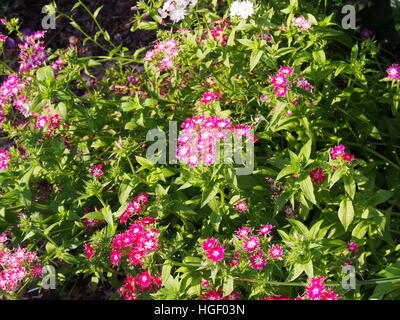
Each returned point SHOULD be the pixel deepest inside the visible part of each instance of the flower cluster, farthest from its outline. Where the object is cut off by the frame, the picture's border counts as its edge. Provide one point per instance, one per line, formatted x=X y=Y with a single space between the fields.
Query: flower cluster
x=17 y=265
x=3 y=38
x=242 y=9
x=317 y=290
x=139 y=241
x=32 y=52
x=253 y=247
x=280 y=81
x=136 y=206
x=145 y=281
x=176 y=9
x=198 y=141
x=214 y=251
x=163 y=54
x=302 y=23
x=393 y=72
x=4 y=158
x=339 y=152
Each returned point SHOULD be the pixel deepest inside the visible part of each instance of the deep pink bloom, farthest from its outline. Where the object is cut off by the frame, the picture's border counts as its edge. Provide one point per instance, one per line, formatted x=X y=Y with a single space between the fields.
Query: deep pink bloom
x=243 y=232
x=96 y=171
x=144 y=280
x=209 y=244
x=317 y=175
x=276 y=251
x=337 y=151
x=89 y=250
x=265 y=229
x=251 y=243
x=216 y=253
x=393 y=72
x=353 y=247
x=241 y=206
x=4 y=159
x=258 y=261
x=213 y=295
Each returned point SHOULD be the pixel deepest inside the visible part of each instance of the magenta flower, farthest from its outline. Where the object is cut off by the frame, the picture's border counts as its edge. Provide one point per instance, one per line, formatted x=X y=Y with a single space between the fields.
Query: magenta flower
x=393 y=72
x=96 y=171
x=257 y=261
x=251 y=244
x=317 y=175
x=276 y=251
x=241 y=206
x=353 y=247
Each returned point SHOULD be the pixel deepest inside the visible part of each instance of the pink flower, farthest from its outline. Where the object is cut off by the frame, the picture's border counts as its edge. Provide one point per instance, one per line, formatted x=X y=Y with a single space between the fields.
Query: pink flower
x=276 y=251
x=41 y=122
x=353 y=247
x=4 y=159
x=213 y=295
x=279 y=80
x=144 y=280
x=209 y=244
x=257 y=261
x=298 y=21
x=243 y=232
x=204 y=283
x=281 y=91
x=89 y=251
x=241 y=206
x=209 y=96
x=233 y=263
x=285 y=71
x=216 y=253
x=3 y=38
x=96 y=171
x=337 y=151
x=393 y=72
x=317 y=175
x=265 y=229
x=251 y=244
x=348 y=157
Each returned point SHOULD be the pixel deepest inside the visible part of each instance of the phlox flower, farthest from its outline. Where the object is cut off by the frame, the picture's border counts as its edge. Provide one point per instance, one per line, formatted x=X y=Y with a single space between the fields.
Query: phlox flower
x=317 y=175
x=276 y=251
x=353 y=247
x=251 y=243
x=393 y=72
x=241 y=206
x=216 y=253
x=89 y=250
x=265 y=229
x=235 y=295
x=213 y=295
x=242 y=9
x=243 y=232
x=4 y=159
x=96 y=171
x=257 y=261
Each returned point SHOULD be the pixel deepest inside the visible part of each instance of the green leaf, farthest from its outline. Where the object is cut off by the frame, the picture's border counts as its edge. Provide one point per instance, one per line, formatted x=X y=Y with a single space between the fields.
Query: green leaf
x=346 y=212
x=285 y=171
x=228 y=286
x=307 y=187
x=319 y=56
x=255 y=58
x=145 y=163
x=209 y=193
x=349 y=186
x=45 y=74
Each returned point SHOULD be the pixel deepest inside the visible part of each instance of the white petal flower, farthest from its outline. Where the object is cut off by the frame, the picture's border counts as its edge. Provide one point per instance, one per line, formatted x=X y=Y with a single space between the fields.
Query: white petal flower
x=243 y=9
x=178 y=14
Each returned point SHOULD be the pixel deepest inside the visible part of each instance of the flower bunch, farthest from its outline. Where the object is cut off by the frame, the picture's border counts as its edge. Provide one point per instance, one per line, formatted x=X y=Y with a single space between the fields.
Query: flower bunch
x=176 y=9
x=96 y=170
x=136 y=206
x=16 y=266
x=139 y=241
x=214 y=251
x=32 y=52
x=339 y=152
x=199 y=139
x=163 y=54
x=218 y=31
x=145 y=281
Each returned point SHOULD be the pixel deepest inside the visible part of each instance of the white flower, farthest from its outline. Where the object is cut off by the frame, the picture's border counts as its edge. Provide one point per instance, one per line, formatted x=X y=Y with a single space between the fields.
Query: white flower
x=178 y=14
x=243 y=9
